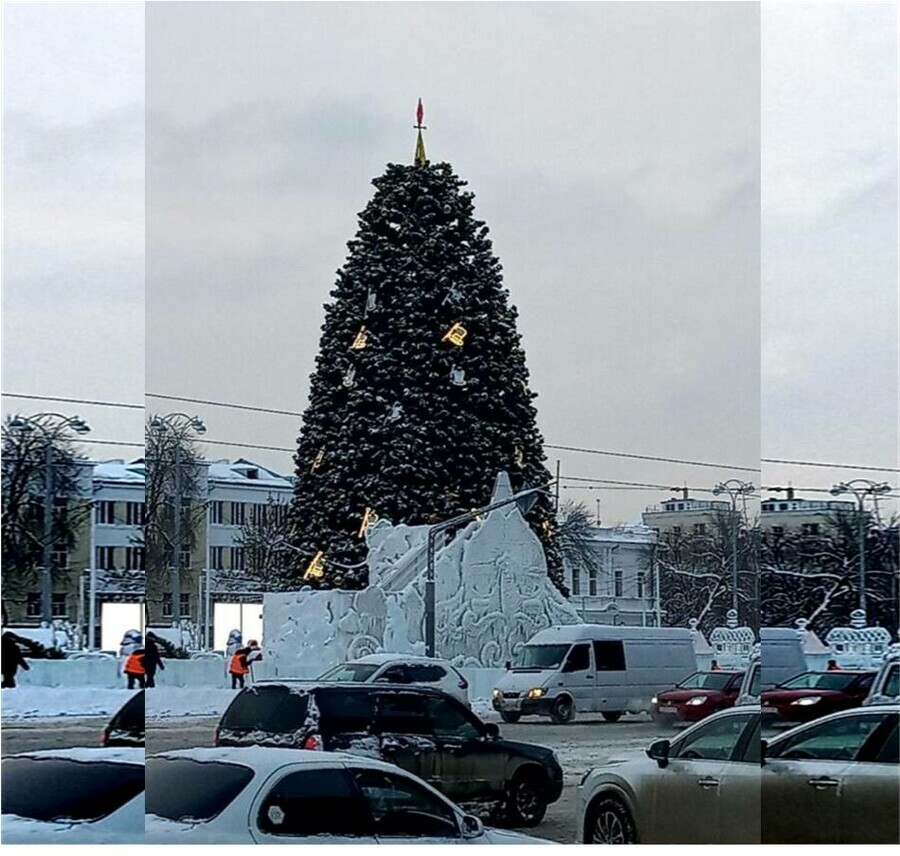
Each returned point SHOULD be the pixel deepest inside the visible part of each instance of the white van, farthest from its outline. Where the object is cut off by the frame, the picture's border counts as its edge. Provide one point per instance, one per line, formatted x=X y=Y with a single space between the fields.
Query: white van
x=593 y=668
x=781 y=656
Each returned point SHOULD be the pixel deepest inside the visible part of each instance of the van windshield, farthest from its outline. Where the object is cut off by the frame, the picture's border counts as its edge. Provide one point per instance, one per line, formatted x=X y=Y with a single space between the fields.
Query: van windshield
x=540 y=657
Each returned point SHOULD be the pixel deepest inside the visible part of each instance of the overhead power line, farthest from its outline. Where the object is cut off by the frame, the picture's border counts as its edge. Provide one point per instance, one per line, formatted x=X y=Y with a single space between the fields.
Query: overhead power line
x=224 y=404
x=651 y=458
x=832 y=466
x=86 y=401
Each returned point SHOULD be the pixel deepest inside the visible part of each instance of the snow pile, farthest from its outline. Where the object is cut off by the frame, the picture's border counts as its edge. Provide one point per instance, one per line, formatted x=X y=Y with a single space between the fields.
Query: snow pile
x=492 y=595
x=30 y=702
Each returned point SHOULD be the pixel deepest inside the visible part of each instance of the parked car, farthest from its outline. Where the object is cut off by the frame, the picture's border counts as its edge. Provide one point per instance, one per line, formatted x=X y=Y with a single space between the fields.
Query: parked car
x=403 y=669
x=590 y=668
x=751 y=683
x=696 y=697
x=422 y=730
x=702 y=787
x=73 y=796
x=126 y=728
x=256 y=795
x=835 y=780
x=810 y=695
x=886 y=686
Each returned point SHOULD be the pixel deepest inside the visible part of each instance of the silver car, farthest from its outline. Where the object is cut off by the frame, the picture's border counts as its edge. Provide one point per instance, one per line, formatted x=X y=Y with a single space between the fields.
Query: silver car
x=702 y=787
x=835 y=780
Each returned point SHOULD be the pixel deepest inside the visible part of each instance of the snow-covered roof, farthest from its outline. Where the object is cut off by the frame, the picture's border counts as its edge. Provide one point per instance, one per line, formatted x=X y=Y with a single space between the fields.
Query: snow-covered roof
x=242 y=471
x=125 y=755
x=119 y=471
x=379 y=659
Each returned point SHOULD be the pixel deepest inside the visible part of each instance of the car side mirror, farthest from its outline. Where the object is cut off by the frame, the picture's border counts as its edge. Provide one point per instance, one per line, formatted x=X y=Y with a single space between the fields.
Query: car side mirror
x=659 y=752
x=491 y=730
x=472 y=827
x=507 y=665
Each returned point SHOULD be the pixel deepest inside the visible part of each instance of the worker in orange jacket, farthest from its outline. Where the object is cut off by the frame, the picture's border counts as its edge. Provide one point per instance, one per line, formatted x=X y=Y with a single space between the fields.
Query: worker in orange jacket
x=239 y=667
x=134 y=668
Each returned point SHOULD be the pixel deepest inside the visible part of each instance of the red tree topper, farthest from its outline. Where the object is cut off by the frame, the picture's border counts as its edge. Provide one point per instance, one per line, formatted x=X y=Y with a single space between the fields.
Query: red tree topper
x=420 y=112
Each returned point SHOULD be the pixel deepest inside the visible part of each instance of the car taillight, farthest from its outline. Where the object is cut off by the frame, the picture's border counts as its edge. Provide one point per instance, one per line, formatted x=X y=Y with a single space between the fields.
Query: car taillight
x=104 y=736
x=314 y=741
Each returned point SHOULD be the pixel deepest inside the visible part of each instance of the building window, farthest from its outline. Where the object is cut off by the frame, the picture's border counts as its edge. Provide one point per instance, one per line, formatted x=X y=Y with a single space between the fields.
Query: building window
x=216 y=511
x=699 y=528
x=106 y=513
x=134 y=558
x=106 y=558
x=135 y=513
x=576 y=581
x=238 y=513
x=60 y=556
x=257 y=514
x=777 y=530
x=676 y=530
x=58 y=605
x=592 y=582
x=810 y=528
x=617 y=583
x=237 y=558
x=184 y=599
x=185 y=561
x=641 y=583
x=217 y=558
x=33 y=605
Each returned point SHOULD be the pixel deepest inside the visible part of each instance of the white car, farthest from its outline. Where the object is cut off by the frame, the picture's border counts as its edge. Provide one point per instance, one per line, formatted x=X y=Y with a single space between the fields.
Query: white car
x=403 y=669
x=73 y=796
x=263 y=795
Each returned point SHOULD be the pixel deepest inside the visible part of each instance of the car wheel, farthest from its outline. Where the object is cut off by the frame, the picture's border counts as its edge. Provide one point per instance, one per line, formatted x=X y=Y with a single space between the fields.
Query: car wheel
x=612 y=715
x=609 y=822
x=510 y=716
x=526 y=802
x=563 y=710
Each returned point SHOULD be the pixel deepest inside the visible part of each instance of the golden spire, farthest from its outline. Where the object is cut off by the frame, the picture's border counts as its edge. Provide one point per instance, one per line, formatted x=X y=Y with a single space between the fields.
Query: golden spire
x=420 y=145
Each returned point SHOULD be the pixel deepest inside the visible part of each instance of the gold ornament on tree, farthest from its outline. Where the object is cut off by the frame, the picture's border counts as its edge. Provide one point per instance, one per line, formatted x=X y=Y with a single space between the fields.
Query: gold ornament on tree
x=316 y=568
x=370 y=518
x=361 y=340
x=519 y=456
x=456 y=334
x=317 y=461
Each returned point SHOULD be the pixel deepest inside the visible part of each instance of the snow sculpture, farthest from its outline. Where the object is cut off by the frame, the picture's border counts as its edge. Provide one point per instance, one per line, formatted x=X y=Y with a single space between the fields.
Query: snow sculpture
x=858 y=646
x=732 y=644
x=492 y=594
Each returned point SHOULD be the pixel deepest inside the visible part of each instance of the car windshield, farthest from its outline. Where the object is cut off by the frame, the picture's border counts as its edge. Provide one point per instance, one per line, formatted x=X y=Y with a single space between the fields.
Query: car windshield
x=191 y=791
x=130 y=717
x=275 y=709
x=755 y=681
x=818 y=681
x=350 y=672
x=705 y=681
x=64 y=789
x=892 y=682
x=540 y=656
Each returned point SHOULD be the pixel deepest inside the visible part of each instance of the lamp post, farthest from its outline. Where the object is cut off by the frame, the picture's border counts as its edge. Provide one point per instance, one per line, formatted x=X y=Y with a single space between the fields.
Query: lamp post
x=734 y=488
x=525 y=499
x=51 y=427
x=861 y=488
x=179 y=425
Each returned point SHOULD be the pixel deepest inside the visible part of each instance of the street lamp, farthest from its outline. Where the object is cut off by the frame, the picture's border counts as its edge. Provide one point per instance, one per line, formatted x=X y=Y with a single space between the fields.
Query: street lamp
x=861 y=488
x=734 y=488
x=50 y=426
x=179 y=425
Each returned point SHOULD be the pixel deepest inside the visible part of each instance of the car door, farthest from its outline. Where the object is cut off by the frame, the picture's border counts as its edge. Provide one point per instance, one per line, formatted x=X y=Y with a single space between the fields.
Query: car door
x=687 y=792
x=300 y=805
x=404 y=812
x=577 y=676
x=803 y=776
x=739 y=791
x=471 y=765
x=403 y=729
x=870 y=792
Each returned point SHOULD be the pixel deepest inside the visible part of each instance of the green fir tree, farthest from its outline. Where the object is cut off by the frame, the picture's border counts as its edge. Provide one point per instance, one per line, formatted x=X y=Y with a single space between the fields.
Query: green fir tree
x=408 y=423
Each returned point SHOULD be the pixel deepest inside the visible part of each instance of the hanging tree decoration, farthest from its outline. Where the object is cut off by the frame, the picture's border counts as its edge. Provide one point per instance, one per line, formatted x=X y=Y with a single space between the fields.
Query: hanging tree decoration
x=317 y=461
x=457 y=376
x=453 y=295
x=395 y=413
x=316 y=568
x=349 y=377
x=519 y=456
x=456 y=334
x=361 y=340
x=371 y=301
x=370 y=518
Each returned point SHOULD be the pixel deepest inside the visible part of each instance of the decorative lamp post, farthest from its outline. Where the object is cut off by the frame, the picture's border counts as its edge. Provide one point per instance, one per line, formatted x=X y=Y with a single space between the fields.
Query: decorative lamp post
x=179 y=425
x=734 y=488
x=861 y=488
x=50 y=426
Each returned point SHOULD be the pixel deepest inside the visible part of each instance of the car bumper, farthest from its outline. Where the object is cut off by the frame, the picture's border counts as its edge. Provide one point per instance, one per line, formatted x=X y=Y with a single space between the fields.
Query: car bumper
x=524 y=706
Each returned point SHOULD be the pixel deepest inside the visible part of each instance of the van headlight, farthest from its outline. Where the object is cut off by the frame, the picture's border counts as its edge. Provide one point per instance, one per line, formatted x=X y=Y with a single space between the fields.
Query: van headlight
x=536 y=692
x=495 y=693
x=699 y=699
x=654 y=700
x=803 y=702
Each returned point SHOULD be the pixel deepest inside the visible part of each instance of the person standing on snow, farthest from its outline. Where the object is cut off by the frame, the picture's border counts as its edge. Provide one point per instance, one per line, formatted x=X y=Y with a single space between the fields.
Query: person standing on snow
x=239 y=666
x=134 y=668
x=10 y=659
x=152 y=660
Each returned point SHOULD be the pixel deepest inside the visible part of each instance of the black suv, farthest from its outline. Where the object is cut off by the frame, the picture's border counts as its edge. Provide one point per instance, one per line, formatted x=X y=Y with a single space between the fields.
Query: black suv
x=422 y=730
x=126 y=728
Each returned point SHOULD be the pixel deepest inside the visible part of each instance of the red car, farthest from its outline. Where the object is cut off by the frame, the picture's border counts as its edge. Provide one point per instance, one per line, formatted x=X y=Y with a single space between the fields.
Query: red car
x=696 y=697
x=810 y=695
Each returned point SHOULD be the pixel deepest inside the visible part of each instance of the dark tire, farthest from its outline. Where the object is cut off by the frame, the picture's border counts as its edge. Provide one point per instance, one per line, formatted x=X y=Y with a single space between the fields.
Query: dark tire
x=510 y=716
x=526 y=800
x=563 y=710
x=609 y=822
x=612 y=715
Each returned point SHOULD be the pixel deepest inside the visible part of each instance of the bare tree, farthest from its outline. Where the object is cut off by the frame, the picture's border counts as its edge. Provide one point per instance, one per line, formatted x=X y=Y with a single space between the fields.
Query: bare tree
x=264 y=539
x=40 y=468
x=574 y=533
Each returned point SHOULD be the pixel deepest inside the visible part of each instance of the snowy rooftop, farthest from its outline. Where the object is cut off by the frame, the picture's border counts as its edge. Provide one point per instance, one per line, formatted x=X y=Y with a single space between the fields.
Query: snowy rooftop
x=119 y=471
x=243 y=471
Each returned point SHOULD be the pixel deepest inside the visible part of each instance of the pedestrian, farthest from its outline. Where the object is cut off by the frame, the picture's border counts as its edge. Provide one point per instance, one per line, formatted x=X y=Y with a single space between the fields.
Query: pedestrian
x=152 y=660
x=238 y=667
x=833 y=666
x=714 y=666
x=10 y=659
x=134 y=668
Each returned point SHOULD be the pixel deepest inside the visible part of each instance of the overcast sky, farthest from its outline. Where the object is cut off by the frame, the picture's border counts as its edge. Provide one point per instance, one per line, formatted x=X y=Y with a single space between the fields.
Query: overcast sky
x=615 y=151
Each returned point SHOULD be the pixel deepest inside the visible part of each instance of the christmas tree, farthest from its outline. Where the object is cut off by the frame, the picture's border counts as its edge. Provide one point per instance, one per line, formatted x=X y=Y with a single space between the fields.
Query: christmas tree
x=420 y=393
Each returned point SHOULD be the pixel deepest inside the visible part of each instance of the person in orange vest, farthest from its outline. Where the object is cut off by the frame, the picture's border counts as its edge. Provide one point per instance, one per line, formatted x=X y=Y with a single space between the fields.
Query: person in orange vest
x=134 y=668
x=715 y=667
x=833 y=666
x=239 y=666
